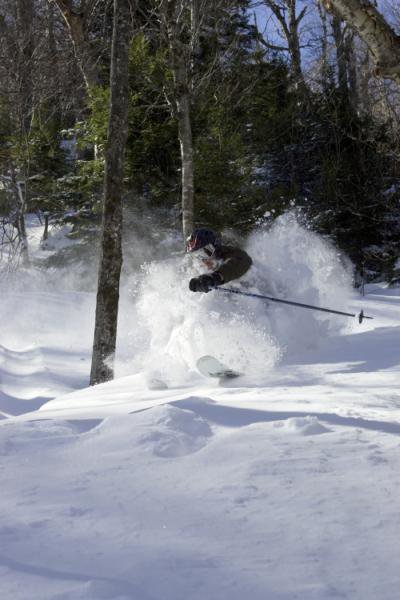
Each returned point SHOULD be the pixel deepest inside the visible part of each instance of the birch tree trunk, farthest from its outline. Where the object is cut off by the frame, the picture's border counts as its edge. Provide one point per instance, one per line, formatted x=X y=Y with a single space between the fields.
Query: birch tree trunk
x=186 y=145
x=374 y=30
x=183 y=102
x=105 y=333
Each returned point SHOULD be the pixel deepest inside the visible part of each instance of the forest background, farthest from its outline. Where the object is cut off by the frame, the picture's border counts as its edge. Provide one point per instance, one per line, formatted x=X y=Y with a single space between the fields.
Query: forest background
x=237 y=111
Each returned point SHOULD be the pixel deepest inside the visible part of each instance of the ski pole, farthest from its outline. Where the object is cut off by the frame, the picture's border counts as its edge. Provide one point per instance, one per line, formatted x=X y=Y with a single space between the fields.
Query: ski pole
x=360 y=316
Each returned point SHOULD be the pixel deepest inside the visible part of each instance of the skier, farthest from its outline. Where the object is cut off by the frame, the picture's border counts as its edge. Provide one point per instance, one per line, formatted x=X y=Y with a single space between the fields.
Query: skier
x=224 y=262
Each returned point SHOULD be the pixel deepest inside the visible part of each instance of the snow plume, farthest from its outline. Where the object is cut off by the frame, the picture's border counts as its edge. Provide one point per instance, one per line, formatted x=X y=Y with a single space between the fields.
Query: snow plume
x=176 y=327
x=163 y=327
x=294 y=263
x=172 y=327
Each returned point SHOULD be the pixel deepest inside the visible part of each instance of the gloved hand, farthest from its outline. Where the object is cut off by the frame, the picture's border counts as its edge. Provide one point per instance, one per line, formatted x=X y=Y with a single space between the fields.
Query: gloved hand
x=205 y=283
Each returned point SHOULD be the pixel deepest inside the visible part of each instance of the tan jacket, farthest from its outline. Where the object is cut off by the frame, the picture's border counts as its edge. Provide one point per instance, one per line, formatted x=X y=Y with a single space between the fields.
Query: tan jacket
x=236 y=263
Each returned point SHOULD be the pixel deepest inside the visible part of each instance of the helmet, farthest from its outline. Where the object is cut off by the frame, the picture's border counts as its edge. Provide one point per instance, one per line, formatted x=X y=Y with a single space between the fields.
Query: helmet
x=200 y=238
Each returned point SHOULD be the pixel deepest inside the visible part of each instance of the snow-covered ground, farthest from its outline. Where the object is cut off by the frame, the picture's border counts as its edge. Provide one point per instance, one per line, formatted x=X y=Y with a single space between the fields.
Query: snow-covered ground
x=283 y=484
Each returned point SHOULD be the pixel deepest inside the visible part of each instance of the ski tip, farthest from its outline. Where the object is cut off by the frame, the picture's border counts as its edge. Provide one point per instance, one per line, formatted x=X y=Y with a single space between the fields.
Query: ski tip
x=153 y=383
x=209 y=366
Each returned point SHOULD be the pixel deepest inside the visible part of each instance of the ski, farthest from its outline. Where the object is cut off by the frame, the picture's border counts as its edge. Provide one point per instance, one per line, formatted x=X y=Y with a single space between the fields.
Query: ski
x=209 y=366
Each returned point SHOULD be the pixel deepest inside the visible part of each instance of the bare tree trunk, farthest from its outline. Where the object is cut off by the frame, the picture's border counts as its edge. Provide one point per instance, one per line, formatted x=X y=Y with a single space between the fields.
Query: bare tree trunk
x=19 y=218
x=294 y=43
x=352 y=71
x=179 y=27
x=26 y=48
x=105 y=333
x=339 y=38
x=183 y=108
x=195 y=35
x=374 y=30
x=326 y=72
x=45 y=235
x=186 y=145
x=364 y=76
x=52 y=42
x=290 y=25
x=75 y=18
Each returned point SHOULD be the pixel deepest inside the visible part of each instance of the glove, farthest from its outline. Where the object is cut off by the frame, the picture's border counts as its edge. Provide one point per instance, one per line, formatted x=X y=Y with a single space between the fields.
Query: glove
x=205 y=283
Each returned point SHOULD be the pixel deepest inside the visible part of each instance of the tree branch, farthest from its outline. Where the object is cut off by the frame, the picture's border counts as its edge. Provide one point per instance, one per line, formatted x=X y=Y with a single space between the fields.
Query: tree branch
x=271 y=46
x=277 y=10
x=301 y=16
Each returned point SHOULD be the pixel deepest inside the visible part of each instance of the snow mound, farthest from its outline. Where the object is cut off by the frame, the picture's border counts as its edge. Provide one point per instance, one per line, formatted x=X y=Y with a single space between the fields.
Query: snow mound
x=163 y=431
x=303 y=425
x=23 y=379
x=101 y=590
x=175 y=432
x=35 y=435
x=26 y=361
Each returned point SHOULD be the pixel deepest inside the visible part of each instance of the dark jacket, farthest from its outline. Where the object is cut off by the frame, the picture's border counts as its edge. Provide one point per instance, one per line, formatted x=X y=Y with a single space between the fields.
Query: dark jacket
x=236 y=263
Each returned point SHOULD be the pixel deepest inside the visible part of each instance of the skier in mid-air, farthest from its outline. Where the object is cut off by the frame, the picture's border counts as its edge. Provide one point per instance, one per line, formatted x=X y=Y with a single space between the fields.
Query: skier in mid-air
x=224 y=262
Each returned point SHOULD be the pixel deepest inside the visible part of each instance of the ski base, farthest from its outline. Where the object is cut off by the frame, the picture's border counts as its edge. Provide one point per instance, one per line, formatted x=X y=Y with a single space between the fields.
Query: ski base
x=209 y=366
